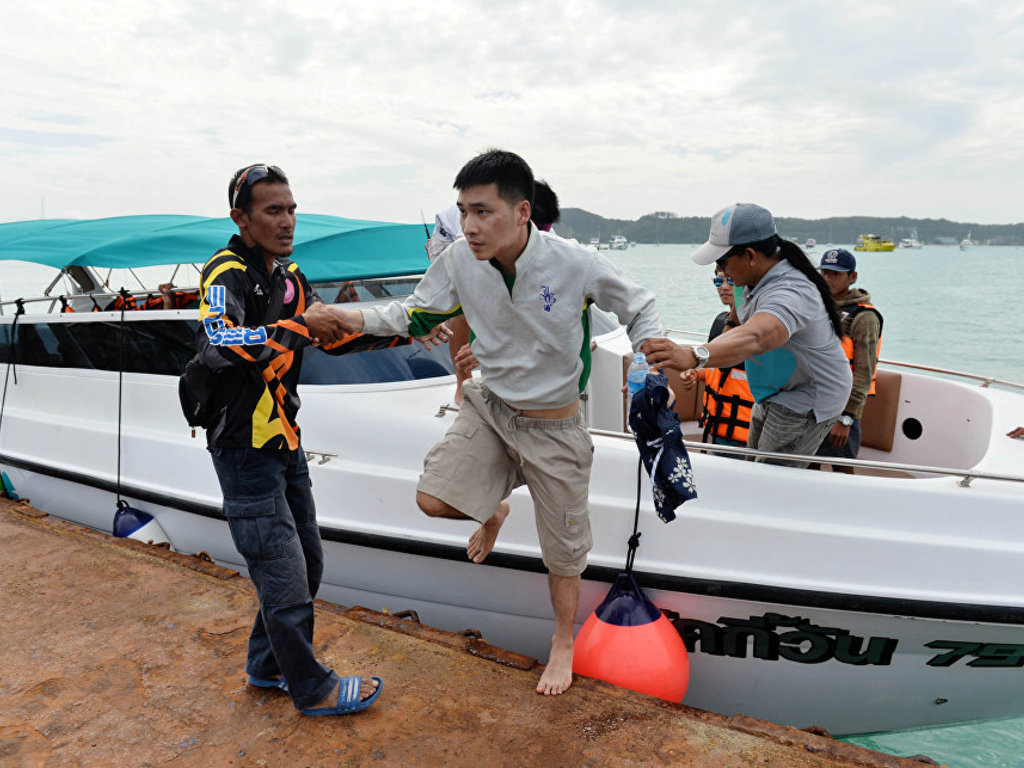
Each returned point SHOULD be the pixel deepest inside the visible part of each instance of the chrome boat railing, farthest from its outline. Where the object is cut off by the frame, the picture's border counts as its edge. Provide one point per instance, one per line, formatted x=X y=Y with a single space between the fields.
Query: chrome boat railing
x=966 y=476
x=985 y=380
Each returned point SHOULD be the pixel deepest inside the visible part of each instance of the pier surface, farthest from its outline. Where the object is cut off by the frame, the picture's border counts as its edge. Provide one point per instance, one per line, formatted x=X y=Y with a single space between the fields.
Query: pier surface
x=113 y=652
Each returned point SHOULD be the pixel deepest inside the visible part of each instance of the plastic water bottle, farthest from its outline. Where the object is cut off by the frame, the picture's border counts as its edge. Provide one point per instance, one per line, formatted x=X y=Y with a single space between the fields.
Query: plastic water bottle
x=636 y=377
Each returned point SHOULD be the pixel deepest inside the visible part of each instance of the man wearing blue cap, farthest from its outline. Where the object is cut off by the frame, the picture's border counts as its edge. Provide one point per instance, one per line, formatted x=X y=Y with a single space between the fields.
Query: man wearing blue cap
x=862 y=335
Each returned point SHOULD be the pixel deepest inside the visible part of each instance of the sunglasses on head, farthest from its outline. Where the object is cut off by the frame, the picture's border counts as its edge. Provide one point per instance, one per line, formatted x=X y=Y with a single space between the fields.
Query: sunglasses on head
x=251 y=175
x=719 y=280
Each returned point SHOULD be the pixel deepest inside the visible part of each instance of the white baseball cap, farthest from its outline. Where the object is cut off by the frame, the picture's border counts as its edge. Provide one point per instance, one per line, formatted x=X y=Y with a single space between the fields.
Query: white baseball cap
x=738 y=224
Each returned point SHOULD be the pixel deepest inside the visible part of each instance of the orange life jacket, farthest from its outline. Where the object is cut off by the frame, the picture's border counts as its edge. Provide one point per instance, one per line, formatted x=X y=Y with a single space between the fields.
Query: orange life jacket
x=346 y=292
x=179 y=300
x=727 y=404
x=128 y=303
x=849 y=313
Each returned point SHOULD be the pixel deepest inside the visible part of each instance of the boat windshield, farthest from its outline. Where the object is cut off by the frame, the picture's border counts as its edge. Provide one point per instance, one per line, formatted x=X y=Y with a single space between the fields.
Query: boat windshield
x=155 y=343
x=162 y=346
x=367 y=289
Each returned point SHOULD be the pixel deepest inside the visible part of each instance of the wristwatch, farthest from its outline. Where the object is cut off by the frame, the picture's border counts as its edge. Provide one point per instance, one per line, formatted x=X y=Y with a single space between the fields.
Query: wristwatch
x=846 y=420
x=701 y=353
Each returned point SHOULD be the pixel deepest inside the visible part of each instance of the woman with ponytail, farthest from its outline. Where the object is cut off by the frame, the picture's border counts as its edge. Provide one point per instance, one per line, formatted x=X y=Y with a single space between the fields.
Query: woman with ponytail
x=789 y=335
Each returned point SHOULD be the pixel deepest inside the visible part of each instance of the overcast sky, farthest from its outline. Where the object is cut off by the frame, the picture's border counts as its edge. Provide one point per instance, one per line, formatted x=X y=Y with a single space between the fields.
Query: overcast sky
x=812 y=109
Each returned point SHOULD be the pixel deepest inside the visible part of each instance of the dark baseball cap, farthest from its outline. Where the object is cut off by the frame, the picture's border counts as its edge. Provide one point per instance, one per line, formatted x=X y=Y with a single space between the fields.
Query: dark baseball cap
x=838 y=260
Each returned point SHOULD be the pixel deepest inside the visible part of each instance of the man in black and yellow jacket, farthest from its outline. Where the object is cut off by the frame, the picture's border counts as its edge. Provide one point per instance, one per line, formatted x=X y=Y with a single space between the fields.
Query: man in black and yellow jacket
x=257 y=313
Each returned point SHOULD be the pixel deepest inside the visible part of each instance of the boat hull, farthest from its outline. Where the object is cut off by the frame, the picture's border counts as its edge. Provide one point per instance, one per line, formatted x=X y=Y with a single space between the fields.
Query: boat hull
x=875 y=247
x=799 y=663
x=854 y=603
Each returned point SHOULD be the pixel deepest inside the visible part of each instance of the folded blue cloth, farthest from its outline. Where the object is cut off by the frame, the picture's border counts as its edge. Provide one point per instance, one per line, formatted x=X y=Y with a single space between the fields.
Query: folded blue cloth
x=660 y=441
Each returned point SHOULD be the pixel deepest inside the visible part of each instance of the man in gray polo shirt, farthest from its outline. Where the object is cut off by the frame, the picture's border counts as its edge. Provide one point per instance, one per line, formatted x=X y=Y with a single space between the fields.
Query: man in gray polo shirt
x=788 y=335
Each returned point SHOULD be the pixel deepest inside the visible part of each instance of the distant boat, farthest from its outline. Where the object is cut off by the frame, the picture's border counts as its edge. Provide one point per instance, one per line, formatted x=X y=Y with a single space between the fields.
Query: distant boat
x=618 y=243
x=874 y=243
x=912 y=241
x=966 y=242
x=809 y=245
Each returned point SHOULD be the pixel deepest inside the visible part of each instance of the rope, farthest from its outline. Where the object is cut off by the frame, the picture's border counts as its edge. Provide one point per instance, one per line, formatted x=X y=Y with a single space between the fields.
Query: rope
x=634 y=540
x=120 y=394
x=10 y=359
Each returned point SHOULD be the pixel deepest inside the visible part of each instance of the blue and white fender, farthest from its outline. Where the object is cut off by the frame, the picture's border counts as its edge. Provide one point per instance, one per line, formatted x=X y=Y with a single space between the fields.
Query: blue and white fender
x=131 y=523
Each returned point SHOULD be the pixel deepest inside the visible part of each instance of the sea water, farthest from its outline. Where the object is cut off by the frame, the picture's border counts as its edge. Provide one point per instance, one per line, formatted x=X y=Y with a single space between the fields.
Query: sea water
x=943 y=307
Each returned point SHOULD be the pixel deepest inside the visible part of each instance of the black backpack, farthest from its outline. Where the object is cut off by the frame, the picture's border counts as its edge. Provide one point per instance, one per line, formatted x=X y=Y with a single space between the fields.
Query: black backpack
x=201 y=389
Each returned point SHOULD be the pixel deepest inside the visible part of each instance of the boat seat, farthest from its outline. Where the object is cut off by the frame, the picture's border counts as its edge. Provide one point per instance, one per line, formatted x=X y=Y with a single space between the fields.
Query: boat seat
x=878 y=420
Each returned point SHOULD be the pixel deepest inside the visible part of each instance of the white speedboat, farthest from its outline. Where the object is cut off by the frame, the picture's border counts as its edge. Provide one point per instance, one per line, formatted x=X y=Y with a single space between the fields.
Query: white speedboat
x=912 y=241
x=886 y=599
x=618 y=243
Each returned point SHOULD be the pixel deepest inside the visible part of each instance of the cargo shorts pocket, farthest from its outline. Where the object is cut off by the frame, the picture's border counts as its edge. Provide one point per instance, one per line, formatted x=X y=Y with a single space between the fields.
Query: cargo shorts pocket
x=567 y=555
x=447 y=457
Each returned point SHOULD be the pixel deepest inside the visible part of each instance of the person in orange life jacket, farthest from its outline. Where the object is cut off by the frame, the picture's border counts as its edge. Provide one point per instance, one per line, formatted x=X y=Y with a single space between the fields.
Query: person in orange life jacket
x=862 y=335
x=727 y=397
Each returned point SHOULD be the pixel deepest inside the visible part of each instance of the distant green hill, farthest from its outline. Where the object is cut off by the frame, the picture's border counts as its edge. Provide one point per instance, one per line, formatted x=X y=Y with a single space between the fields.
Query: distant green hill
x=667 y=227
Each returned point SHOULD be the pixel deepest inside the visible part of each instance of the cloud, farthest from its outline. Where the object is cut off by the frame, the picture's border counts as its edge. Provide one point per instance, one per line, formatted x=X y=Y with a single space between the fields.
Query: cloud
x=37 y=142
x=815 y=109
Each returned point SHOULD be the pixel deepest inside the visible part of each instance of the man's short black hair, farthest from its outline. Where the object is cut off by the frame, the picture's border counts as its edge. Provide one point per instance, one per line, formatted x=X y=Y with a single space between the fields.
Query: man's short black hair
x=506 y=169
x=243 y=199
x=545 y=210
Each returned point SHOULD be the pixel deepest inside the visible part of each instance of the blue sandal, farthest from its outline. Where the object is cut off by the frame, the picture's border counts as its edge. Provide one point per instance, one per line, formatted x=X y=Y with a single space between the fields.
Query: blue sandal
x=266 y=682
x=348 y=698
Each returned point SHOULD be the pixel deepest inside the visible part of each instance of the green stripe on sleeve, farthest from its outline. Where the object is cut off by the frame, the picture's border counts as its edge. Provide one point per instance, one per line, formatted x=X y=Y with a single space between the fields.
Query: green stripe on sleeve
x=585 y=354
x=422 y=322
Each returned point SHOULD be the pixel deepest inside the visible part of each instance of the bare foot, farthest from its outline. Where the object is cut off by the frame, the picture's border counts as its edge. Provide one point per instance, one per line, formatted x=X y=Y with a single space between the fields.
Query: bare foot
x=482 y=541
x=557 y=675
x=366 y=689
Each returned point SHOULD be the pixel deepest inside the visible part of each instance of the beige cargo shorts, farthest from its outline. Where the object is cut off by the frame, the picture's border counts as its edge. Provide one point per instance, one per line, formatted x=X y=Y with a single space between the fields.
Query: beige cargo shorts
x=490 y=449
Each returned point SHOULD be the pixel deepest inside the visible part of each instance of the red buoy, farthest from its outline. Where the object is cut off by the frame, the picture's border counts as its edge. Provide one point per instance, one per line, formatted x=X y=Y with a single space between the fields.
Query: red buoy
x=627 y=641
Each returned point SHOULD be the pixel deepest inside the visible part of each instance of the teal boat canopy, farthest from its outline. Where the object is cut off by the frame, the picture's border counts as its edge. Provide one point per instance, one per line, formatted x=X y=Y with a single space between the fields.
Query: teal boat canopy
x=326 y=247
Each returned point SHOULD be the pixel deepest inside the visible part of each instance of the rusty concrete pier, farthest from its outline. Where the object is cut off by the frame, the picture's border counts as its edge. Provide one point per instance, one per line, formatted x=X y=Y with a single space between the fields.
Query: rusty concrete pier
x=116 y=653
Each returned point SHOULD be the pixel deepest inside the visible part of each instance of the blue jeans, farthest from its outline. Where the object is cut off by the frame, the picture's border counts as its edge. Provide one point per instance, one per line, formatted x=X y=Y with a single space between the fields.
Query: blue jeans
x=268 y=502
